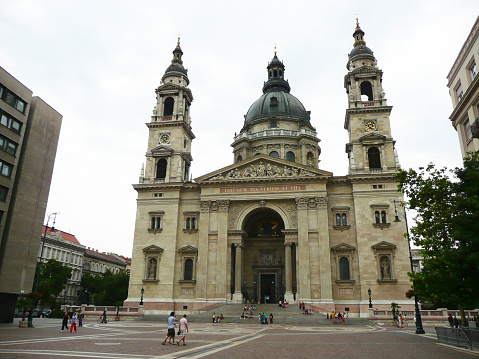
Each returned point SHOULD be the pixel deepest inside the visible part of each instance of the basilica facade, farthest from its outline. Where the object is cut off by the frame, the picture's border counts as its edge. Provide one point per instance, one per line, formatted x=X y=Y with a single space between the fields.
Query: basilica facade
x=272 y=224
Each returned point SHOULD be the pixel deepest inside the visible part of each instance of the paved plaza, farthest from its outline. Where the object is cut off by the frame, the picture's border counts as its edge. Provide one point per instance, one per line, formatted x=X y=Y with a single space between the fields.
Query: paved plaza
x=142 y=339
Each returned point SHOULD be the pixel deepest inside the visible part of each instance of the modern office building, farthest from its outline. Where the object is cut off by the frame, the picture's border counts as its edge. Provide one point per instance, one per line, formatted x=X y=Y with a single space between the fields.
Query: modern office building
x=29 y=132
x=463 y=84
x=272 y=224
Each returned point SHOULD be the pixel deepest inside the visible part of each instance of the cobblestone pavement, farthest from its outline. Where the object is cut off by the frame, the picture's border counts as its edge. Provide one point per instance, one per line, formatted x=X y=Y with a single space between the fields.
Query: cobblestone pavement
x=142 y=340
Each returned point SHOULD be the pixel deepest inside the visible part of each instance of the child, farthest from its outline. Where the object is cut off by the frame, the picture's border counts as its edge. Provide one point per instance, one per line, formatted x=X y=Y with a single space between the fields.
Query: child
x=74 y=322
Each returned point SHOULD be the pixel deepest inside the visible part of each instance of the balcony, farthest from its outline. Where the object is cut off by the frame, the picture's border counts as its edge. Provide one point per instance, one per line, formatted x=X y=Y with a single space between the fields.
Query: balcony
x=475 y=128
x=276 y=133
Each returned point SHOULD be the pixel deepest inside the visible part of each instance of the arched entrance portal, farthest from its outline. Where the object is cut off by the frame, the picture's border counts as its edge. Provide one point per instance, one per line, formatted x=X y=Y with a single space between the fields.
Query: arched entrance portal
x=263 y=257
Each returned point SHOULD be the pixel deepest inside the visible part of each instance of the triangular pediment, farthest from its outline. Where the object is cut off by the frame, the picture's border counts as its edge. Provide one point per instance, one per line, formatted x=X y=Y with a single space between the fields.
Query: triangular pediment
x=343 y=247
x=162 y=150
x=372 y=137
x=153 y=249
x=384 y=245
x=188 y=249
x=263 y=167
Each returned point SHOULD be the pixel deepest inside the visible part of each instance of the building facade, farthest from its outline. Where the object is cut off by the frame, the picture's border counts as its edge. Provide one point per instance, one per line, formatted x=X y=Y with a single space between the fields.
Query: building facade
x=463 y=84
x=29 y=132
x=66 y=249
x=100 y=262
x=272 y=224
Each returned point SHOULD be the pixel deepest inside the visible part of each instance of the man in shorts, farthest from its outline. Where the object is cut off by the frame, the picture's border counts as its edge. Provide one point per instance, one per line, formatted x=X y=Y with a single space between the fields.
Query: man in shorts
x=171 y=329
x=183 y=329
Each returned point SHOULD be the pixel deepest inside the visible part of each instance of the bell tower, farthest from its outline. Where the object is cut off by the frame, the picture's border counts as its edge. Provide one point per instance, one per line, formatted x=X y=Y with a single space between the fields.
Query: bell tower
x=371 y=147
x=168 y=156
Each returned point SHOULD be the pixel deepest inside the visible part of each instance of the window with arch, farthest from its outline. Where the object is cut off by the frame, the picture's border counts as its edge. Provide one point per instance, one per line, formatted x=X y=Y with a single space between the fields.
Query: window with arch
x=152 y=263
x=191 y=221
x=341 y=218
x=344 y=273
x=367 y=90
x=275 y=73
x=310 y=159
x=156 y=221
x=274 y=154
x=239 y=158
x=188 y=255
x=380 y=215
x=161 y=166
x=168 y=106
x=290 y=156
x=374 y=158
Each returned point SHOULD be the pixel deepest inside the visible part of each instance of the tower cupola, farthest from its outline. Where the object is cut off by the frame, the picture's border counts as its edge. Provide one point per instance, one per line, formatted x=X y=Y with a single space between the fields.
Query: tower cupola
x=276 y=81
x=176 y=68
x=360 y=50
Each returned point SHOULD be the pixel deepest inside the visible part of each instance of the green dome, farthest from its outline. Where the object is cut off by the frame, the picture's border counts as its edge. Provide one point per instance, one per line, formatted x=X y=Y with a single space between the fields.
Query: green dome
x=277 y=103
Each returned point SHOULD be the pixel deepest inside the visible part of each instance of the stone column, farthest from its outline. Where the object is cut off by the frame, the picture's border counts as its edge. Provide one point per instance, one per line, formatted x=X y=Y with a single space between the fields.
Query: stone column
x=304 y=282
x=238 y=296
x=288 y=296
x=202 y=264
x=228 y=273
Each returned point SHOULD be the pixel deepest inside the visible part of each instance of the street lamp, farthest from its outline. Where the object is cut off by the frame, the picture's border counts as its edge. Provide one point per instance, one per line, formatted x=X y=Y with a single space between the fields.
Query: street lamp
x=142 y=291
x=37 y=274
x=370 y=302
x=419 y=328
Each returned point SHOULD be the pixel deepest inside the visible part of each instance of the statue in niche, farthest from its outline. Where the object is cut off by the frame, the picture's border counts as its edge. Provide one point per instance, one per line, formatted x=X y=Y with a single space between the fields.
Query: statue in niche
x=152 y=268
x=385 y=268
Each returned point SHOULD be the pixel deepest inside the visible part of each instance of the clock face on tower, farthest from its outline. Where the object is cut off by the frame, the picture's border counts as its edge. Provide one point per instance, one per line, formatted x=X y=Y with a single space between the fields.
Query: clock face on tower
x=165 y=138
x=370 y=126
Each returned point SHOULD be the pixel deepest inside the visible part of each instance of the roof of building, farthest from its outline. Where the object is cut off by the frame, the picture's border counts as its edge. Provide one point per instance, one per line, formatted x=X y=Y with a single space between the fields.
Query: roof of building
x=66 y=236
x=104 y=256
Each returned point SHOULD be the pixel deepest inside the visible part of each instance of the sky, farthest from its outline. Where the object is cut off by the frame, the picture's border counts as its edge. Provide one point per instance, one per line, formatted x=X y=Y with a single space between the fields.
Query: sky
x=98 y=63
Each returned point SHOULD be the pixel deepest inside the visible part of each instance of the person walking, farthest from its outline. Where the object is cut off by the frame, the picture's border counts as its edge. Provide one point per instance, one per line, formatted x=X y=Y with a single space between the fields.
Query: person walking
x=65 y=320
x=214 y=317
x=183 y=329
x=450 y=320
x=74 y=322
x=103 y=319
x=271 y=318
x=171 y=329
x=80 y=318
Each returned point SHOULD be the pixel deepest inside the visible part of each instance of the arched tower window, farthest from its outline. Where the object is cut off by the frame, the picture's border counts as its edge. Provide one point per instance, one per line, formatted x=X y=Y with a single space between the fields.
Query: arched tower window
x=275 y=73
x=274 y=154
x=344 y=219
x=161 y=168
x=344 y=273
x=310 y=159
x=374 y=157
x=188 y=269
x=338 y=219
x=377 y=217
x=367 y=89
x=383 y=217
x=168 y=106
x=239 y=158
x=290 y=156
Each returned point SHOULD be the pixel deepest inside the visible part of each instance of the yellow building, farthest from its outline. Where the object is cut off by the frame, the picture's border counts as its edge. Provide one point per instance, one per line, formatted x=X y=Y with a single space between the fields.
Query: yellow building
x=272 y=224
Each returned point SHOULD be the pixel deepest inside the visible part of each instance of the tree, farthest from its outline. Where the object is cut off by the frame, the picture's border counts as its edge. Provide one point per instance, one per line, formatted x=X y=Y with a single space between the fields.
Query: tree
x=447 y=229
x=53 y=279
x=107 y=288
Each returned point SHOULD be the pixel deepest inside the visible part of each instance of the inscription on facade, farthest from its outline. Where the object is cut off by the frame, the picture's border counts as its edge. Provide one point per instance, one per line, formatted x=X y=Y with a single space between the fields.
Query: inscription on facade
x=264 y=189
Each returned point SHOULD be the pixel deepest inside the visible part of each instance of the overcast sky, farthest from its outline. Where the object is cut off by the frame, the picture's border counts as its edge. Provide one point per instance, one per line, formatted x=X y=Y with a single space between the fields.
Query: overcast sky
x=98 y=64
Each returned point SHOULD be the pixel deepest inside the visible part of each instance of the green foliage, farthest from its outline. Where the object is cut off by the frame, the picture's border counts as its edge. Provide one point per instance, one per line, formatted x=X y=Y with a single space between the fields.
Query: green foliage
x=447 y=228
x=395 y=309
x=53 y=279
x=106 y=289
x=25 y=304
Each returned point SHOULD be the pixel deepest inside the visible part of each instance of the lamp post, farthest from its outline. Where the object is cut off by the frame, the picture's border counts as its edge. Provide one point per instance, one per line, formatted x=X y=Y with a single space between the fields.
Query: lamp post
x=419 y=328
x=37 y=274
x=142 y=291
x=370 y=302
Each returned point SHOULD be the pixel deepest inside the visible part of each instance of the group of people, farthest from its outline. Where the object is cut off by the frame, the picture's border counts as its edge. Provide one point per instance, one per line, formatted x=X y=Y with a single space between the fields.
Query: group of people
x=246 y=315
x=337 y=318
x=73 y=321
x=217 y=318
x=183 y=329
x=454 y=322
x=283 y=304
x=263 y=318
x=303 y=309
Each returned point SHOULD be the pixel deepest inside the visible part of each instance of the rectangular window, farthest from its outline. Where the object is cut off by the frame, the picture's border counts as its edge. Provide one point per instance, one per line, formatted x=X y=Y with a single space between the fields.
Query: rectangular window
x=473 y=70
x=5 y=169
x=8 y=145
x=3 y=193
x=13 y=100
x=459 y=93
x=467 y=131
x=10 y=122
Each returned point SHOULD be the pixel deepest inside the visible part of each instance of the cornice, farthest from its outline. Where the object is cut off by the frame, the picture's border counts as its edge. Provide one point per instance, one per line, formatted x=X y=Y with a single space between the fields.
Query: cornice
x=143 y=187
x=469 y=97
x=370 y=177
x=183 y=124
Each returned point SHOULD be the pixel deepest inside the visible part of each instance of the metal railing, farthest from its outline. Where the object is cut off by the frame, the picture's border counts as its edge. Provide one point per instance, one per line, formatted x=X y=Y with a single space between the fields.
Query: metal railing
x=278 y=132
x=459 y=337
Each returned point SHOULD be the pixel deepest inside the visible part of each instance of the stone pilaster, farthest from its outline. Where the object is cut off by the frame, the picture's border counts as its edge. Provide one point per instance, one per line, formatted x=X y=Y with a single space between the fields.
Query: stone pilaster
x=221 y=251
x=288 y=296
x=304 y=267
x=202 y=265
x=324 y=250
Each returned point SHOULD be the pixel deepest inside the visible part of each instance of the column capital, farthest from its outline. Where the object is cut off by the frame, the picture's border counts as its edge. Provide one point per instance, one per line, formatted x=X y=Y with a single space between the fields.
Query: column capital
x=301 y=202
x=288 y=244
x=223 y=205
x=205 y=206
